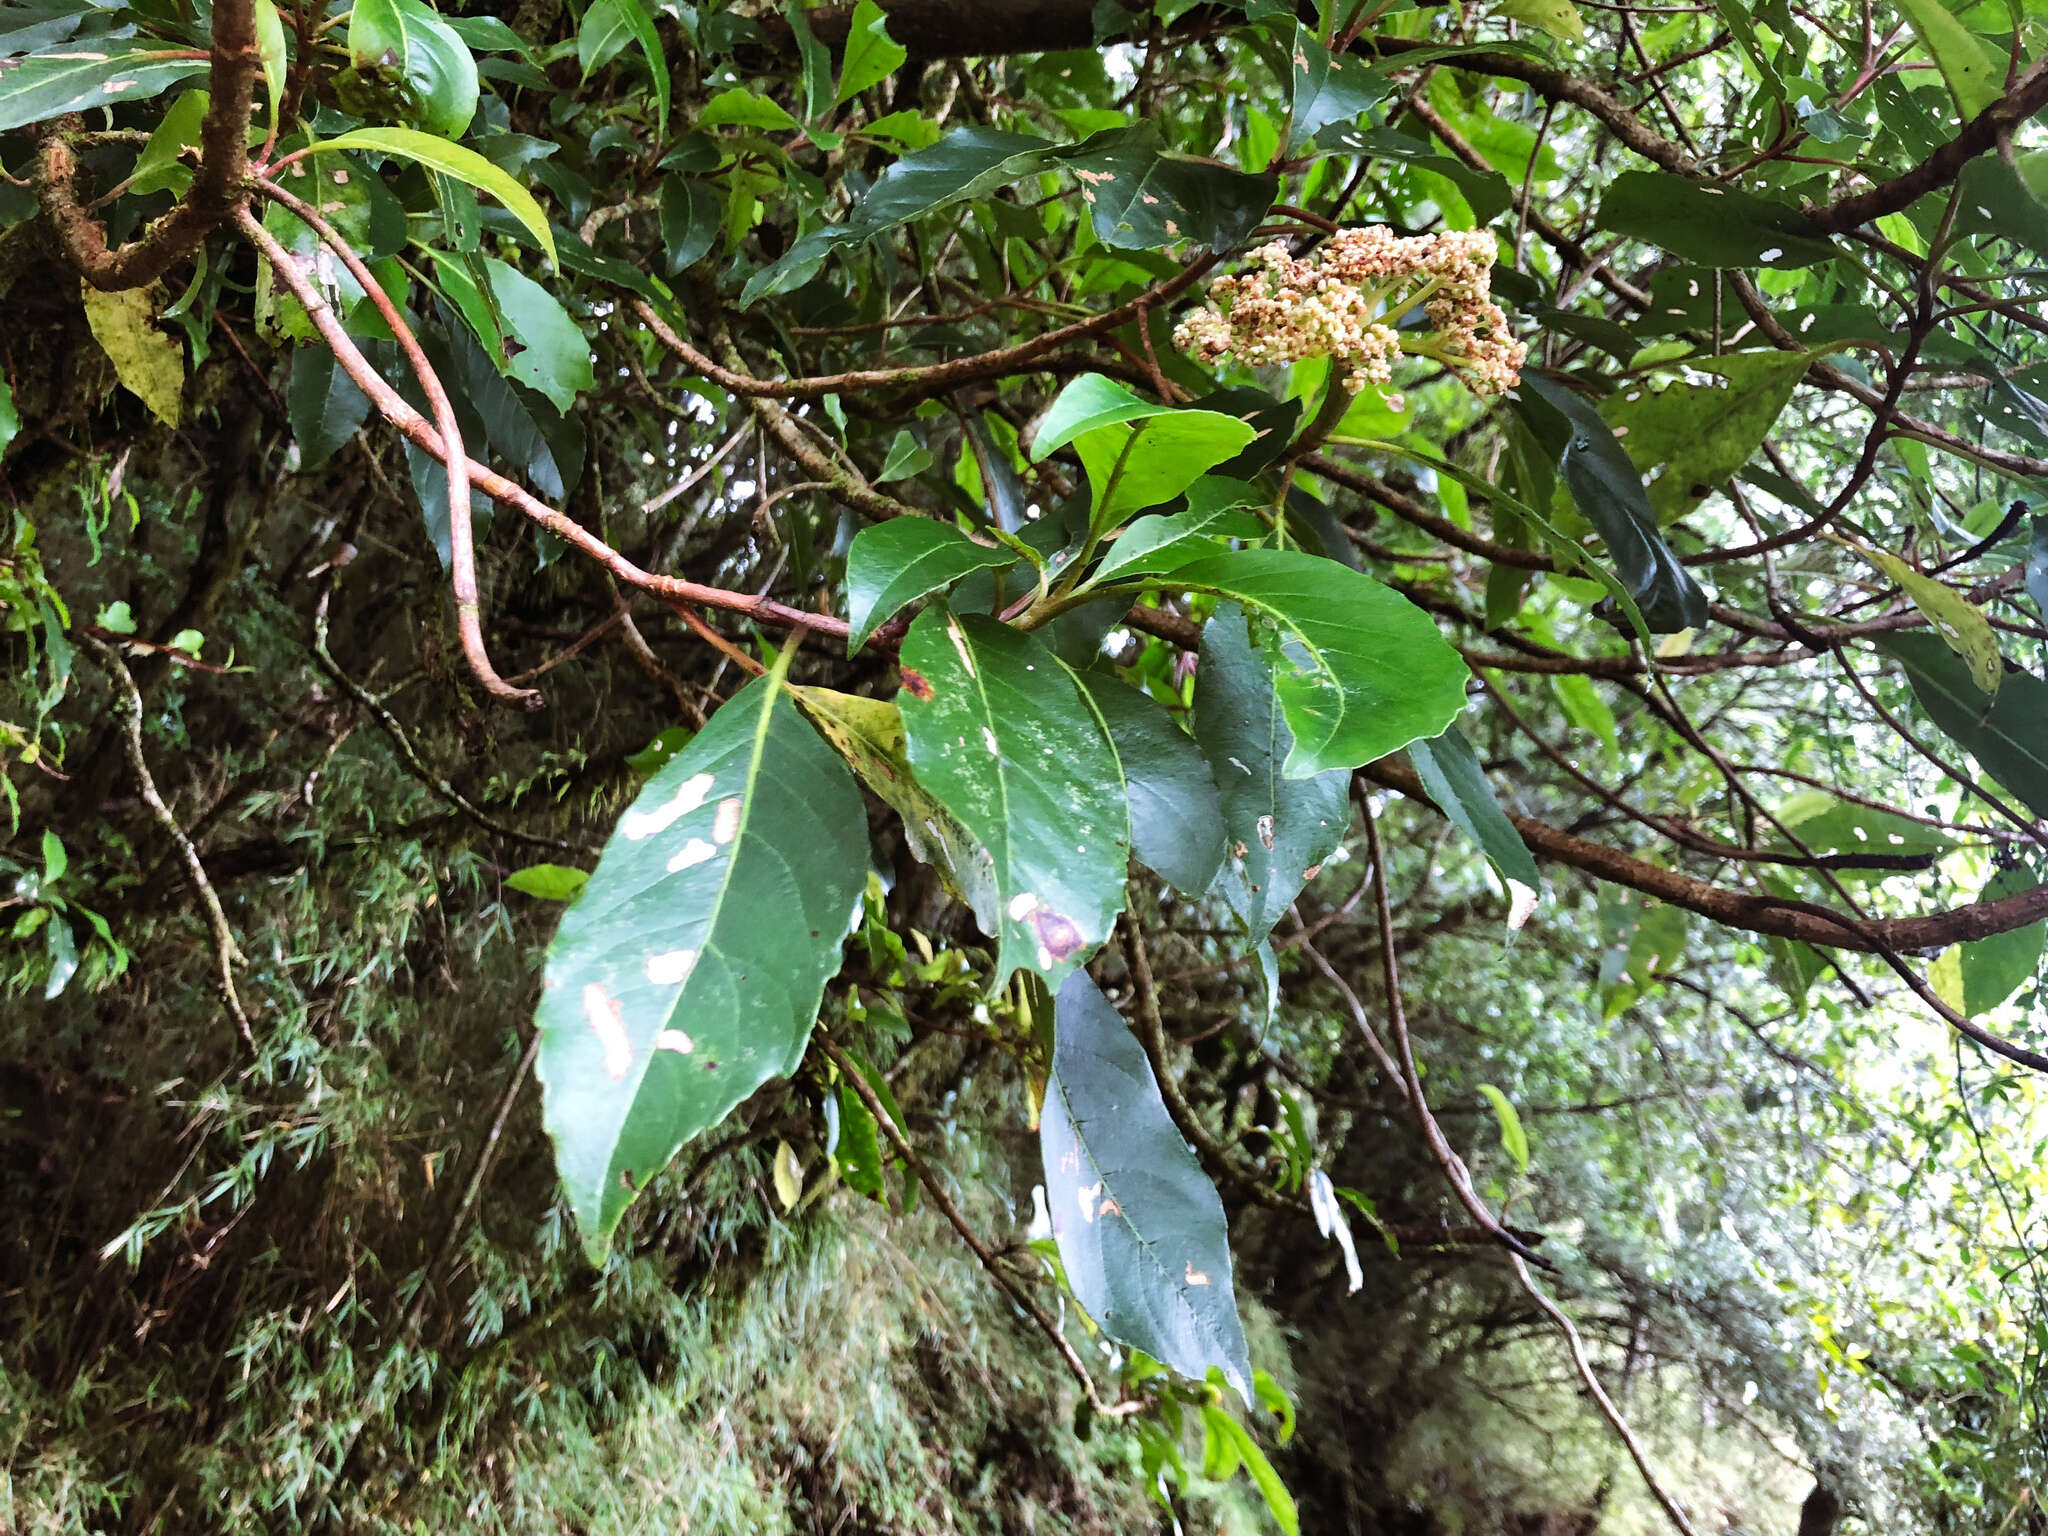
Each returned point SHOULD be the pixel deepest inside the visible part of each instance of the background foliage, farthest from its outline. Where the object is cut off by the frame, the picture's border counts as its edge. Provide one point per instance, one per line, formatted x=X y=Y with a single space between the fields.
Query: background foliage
x=1714 y=923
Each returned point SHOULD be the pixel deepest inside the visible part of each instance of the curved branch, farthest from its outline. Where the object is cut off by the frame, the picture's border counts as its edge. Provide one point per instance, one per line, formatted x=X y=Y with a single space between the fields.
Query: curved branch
x=217 y=189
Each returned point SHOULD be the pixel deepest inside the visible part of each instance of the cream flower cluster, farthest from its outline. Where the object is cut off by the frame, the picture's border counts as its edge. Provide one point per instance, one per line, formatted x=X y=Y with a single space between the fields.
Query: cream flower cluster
x=1340 y=302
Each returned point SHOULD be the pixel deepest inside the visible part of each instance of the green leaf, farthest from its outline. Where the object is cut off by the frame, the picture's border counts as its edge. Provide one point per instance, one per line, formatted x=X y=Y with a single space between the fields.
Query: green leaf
x=553 y=355
x=690 y=971
x=63 y=953
x=1277 y=830
x=549 y=882
x=1990 y=970
x=157 y=168
x=1954 y=617
x=1000 y=734
x=1974 y=74
x=858 y=1150
x=967 y=162
x=1713 y=225
x=1582 y=705
x=2037 y=544
x=1328 y=88
x=10 y=419
x=55 y=860
x=325 y=406
x=601 y=36
x=1137 y=454
x=75 y=77
x=1216 y=510
x=1703 y=429
x=1607 y=488
x=1141 y=1231
x=270 y=44
x=815 y=63
x=1825 y=824
x=2007 y=735
x=871 y=54
x=405 y=44
x=1454 y=779
x=1361 y=670
x=691 y=215
x=740 y=108
x=1222 y=1429
x=116 y=618
x=1557 y=17
x=1141 y=198
x=453 y=160
x=640 y=22
x=891 y=565
x=1513 y=1140
x=1486 y=192
x=907 y=459
x=149 y=363
x=789 y=1177
x=1176 y=818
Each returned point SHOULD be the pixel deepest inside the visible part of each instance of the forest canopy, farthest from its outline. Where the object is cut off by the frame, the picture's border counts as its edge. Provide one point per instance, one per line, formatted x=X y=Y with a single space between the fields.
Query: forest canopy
x=1023 y=765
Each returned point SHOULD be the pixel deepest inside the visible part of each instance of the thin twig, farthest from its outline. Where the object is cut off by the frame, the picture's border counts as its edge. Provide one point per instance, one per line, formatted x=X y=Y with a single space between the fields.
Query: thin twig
x=225 y=952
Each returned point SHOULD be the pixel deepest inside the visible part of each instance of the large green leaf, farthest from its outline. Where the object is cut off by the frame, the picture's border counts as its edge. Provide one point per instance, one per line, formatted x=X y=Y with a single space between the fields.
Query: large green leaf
x=1000 y=734
x=1278 y=830
x=2007 y=735
x=967 y=162
x=76 y=76
x=891 y=565
x=1487 y=193
x=1703 y=428
x=1216 y=510
x=1607 y=488
x=1974 y=74
x=1141 y=198
x=1454 y=779
x=1713 y=225
x=1362 y=671
x=689 y=972
x=1176 y=819
x=871 y=54
x=1140 y=1228
x=454 y=160
x=325 y=406
x=407 y=46
x=552 y=354
x=1977 y=976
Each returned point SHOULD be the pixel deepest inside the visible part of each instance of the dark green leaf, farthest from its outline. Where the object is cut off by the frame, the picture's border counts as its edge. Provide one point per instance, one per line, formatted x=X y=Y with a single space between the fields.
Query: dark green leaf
x=1606 y=487
x=2037 y=563
x=1176 y=819
x=2008 y=735
x=1141 y=1231
x=326 y=407
x=1713 y=225
x=689 y=972
x=1992 y=969
x=1000 y=734
x=1457 y=783
x=891 y=565
x=81 y=75
x=1278 y=830
x=1142 y=198
x=1328 y=88
x=1486 y=192
x=407 y=46
x=691 y=215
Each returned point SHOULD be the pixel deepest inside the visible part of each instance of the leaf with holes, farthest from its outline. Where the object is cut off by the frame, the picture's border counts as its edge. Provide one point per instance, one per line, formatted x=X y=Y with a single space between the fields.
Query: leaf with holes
x=1701 y=430
x=689 y=971
x=1712 y=225
x=1142 y=198
x=1000 y=734
x=1277 y=830
x=1328 y=88
x=1140 y=1228
x=1954 y=617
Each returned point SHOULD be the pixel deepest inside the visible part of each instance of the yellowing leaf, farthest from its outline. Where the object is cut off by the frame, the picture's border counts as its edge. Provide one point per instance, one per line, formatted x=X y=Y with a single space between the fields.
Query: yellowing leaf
x=789 y=1178
x=1954 y=617
x=1557 y=17
x=148 y=363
